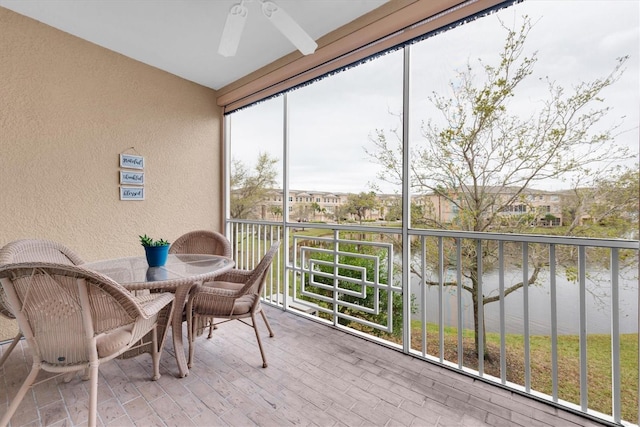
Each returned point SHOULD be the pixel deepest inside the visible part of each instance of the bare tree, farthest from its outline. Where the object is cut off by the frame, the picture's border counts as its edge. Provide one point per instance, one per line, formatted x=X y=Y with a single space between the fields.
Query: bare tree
x=481 y=158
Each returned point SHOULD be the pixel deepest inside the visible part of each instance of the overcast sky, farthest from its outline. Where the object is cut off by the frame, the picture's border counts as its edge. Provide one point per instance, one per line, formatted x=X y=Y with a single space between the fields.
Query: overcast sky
x=332 y=120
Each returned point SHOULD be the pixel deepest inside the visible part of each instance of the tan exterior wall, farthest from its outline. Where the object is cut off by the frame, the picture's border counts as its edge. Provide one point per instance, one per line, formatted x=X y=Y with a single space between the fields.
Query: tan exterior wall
x=68 y=108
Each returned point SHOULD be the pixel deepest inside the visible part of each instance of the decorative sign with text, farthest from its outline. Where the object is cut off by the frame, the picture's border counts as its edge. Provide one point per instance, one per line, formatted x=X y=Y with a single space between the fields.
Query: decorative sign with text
x=130 y=161
x=131 y=193
x=131 y=176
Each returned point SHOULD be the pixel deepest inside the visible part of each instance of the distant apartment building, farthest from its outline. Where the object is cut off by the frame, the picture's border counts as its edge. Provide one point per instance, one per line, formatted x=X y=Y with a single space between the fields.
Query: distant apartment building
x=541 y=207
x=303 y=205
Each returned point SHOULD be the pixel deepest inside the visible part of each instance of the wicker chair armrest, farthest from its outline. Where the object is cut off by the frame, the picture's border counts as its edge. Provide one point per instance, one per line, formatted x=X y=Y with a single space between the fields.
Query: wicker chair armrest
x=235 y=276
x=151 y=306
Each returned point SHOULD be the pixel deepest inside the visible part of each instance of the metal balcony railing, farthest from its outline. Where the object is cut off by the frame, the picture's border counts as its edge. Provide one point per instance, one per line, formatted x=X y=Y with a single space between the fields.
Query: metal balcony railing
x=554 y=318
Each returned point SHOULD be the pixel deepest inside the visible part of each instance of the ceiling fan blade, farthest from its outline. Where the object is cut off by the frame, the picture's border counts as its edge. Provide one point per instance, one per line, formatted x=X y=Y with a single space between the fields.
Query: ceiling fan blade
x=290 y=28
x=233 y=30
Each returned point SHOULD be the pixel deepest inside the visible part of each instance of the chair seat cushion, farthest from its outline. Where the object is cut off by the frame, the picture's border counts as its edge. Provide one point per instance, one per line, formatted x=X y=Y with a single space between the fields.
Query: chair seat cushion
x=114 y=341
x=242 y=305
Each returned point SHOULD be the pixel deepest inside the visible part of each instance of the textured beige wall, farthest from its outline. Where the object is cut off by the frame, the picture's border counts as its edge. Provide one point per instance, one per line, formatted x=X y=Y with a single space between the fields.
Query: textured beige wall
x=68 y=108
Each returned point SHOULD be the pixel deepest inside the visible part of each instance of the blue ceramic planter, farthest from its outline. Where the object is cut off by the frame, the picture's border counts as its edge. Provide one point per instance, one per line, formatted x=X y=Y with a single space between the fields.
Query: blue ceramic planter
x=156 y=255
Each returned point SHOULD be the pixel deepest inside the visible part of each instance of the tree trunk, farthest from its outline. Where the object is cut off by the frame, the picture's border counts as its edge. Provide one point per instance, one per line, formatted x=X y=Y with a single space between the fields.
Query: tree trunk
x=476 y=320
x=478 y=302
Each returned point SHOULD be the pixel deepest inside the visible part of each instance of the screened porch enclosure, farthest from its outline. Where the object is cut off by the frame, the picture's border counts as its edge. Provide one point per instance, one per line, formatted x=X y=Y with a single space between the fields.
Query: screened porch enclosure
x=449 y=199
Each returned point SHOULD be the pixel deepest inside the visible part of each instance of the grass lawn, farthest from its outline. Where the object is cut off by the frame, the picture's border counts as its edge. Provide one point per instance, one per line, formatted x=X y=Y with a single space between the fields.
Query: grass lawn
x=598 y=364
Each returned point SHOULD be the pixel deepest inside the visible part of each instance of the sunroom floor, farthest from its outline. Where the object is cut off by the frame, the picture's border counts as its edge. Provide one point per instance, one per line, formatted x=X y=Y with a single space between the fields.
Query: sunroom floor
x=317 y=376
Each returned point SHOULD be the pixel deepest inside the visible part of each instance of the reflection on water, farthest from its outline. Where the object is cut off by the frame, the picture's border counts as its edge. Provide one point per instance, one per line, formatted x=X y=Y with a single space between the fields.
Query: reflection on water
x=598 y=305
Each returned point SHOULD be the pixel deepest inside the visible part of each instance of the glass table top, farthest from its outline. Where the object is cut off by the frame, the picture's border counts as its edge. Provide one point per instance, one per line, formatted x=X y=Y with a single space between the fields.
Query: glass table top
x=178 y=266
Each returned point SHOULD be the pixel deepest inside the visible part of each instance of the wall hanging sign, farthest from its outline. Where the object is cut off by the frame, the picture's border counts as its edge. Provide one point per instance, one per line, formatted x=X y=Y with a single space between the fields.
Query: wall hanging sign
x=131 y=178
x=131 y=161
x=131 y=175
x=131 y=193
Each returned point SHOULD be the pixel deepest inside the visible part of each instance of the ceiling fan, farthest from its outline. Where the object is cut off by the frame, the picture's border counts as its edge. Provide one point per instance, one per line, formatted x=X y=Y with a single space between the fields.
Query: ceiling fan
x=276 y=15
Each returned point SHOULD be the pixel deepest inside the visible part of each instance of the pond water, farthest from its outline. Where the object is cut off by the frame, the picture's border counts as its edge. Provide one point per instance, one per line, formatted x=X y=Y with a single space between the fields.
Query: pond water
x=598 y=306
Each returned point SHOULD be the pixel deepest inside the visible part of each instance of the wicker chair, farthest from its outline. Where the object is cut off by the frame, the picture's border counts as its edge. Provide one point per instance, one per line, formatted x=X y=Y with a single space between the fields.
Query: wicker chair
x=201 y=242
x=27 y=250
x=76 y=319
x=235 y=295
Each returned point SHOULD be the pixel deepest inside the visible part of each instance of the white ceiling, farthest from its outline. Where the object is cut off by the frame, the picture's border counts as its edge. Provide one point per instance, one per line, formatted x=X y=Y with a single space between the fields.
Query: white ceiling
x=182 y=36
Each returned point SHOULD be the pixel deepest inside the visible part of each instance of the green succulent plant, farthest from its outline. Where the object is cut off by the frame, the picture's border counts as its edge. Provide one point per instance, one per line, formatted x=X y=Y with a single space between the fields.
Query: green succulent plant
x=148 y=241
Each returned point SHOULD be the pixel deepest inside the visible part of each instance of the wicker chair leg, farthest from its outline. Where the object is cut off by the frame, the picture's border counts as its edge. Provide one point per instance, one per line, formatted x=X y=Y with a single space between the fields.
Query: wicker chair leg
x=255 y=329
x=191 y=336
x=212 y=326
x=35 y=368
x=7 y=352
x=266 y=322
x=93 y=395
x=155 y=354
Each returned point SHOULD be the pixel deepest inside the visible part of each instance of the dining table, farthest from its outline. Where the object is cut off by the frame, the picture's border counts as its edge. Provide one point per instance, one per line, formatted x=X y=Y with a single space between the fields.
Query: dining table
x=179 y=275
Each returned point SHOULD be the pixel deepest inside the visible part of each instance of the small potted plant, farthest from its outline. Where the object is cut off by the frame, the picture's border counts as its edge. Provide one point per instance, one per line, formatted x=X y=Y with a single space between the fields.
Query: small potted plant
x=155 y=250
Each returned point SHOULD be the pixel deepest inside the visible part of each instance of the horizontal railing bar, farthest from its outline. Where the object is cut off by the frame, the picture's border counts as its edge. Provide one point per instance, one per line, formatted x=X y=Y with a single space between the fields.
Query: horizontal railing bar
x=505 y=237
x=532 y=238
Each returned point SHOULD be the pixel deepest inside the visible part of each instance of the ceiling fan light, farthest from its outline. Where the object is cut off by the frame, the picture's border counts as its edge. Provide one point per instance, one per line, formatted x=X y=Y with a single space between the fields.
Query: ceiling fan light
x=290 y=28
x=232 y=31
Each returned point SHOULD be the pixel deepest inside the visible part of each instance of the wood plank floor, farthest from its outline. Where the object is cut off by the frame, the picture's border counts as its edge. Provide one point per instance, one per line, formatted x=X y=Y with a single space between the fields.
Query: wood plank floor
x=317 y=376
